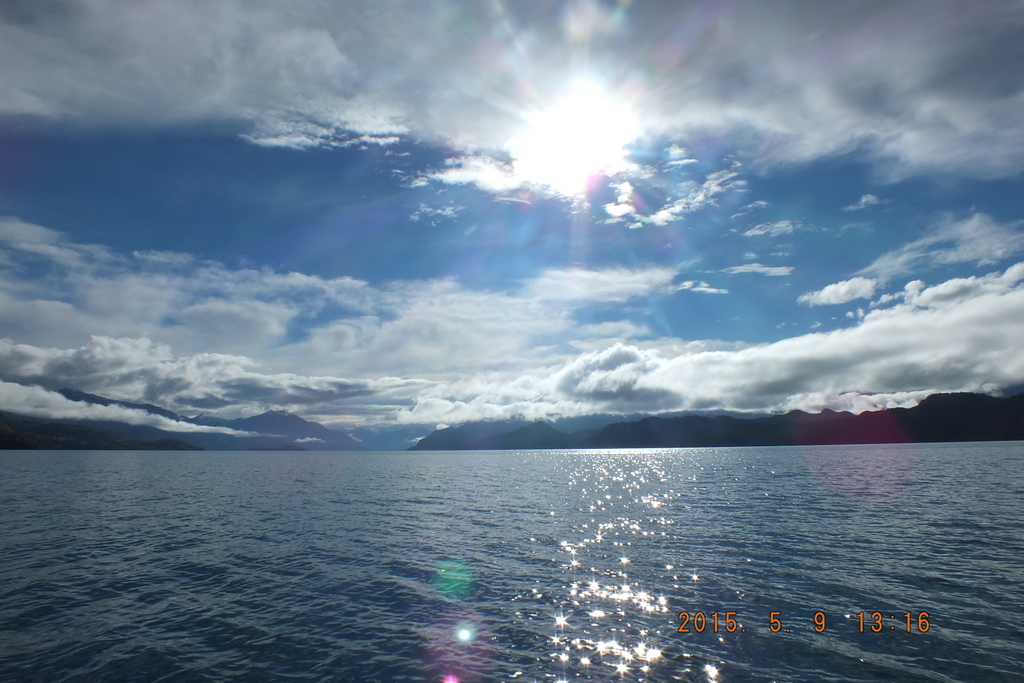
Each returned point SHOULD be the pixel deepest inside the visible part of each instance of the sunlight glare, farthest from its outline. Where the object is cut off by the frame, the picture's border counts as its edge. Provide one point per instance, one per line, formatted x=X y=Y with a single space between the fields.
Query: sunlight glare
x=581 y=136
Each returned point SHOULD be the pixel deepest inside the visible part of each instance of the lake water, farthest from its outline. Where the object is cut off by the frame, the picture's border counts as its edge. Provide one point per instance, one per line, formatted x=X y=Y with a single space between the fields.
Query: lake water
x=515 y=566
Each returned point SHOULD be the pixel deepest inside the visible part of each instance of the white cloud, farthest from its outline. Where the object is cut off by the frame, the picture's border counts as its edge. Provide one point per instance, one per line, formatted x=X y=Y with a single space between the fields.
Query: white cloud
x=139 y=370
x=700 y=286
x=611 y=285
x=959 y=335
x=772 y=271
x=772 y=229
x=978 y=239
x=35 y=401
x=678 y=157
x=601 y=335
x=841 y=292
x=434 y=215
x=864 y=202
x=501 y=177
x=198 y=336
x=305 y=131
x=921 y=88
x=619 y=210
x=435 y=351
x=487 y=173
x=689 y=195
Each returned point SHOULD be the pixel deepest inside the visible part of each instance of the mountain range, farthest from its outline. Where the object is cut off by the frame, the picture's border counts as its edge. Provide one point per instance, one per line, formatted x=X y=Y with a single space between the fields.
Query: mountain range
x=273 y=430
x=940 y=417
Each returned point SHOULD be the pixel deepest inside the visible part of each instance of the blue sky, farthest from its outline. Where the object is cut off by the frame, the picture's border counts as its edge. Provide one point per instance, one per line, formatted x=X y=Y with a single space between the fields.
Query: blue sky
x=433 y=212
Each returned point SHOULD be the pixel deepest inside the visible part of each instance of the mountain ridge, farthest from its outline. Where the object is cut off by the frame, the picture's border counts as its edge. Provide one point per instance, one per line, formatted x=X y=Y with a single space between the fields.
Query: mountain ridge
x=937 y=418
x=41 y=435
x=274 y=429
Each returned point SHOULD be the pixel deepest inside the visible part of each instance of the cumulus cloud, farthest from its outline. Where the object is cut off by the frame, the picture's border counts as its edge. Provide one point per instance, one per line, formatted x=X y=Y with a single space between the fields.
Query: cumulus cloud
x=977 y=239
x=55 y=291
x=958 y=335
x=841 y=292
x=613 y=377
x=436 y=351
x=195 y=336
x=771 y=271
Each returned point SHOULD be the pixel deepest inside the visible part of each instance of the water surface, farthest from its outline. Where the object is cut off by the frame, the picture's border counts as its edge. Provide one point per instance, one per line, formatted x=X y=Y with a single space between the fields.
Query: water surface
x=514 y=566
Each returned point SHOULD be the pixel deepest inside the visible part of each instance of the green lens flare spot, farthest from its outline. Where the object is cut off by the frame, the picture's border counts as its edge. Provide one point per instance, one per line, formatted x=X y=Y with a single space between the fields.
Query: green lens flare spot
x=453 y=578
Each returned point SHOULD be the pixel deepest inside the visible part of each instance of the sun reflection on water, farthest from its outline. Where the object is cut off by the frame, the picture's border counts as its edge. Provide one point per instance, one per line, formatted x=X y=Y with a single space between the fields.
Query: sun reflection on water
x=607 y=614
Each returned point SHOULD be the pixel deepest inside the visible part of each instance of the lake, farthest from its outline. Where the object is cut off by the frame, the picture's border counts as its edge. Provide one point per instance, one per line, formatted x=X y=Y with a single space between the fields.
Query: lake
x=850 y=563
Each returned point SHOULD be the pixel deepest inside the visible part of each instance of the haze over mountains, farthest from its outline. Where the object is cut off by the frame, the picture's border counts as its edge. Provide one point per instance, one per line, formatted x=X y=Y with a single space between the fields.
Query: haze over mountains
x=940 y=417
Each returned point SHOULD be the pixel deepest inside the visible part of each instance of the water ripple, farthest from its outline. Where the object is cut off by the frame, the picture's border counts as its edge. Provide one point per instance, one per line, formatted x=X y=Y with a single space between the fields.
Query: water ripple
x=514 y=566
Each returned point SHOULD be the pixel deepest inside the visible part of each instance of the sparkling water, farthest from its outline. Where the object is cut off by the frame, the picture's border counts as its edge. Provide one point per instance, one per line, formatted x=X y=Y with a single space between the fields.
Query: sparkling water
x=850 y=563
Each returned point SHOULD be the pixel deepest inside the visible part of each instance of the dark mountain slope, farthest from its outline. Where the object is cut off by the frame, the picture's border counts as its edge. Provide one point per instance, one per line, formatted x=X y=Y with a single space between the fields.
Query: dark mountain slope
x=27 y=434
x=941 y=417
x=531 y=436
x=464 y=437
x=272 y=430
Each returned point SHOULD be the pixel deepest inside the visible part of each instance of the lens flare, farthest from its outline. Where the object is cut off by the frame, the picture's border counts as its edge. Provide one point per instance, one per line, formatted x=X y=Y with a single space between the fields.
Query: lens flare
x=453 y=577
x=465 y=633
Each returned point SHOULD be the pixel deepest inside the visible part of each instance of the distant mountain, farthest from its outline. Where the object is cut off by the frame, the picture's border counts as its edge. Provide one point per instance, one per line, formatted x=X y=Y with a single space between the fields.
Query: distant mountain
x=465 y=437
x=273 y=430
x=37 y=435
x=285 y=424
x=940 y=417
x=11 y=437
x=386 y=437
x=533 y=435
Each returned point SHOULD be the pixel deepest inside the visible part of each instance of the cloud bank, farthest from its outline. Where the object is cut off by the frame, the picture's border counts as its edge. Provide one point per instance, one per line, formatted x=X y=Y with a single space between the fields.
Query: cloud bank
x=955 y=336
x=34 y=401
x=197 y=336
x=959 y=335
x=919 y=85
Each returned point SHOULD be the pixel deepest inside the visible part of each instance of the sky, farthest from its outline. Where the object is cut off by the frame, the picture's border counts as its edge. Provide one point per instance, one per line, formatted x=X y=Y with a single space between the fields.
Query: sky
x=427 y=212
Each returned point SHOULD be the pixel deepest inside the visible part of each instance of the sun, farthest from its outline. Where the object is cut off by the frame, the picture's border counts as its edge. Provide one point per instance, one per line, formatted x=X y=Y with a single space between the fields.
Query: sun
x=581 y=136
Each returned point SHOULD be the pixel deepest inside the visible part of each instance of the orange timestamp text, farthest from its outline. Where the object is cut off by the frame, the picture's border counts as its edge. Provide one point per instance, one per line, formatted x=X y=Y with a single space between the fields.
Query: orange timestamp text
x=873 y=622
